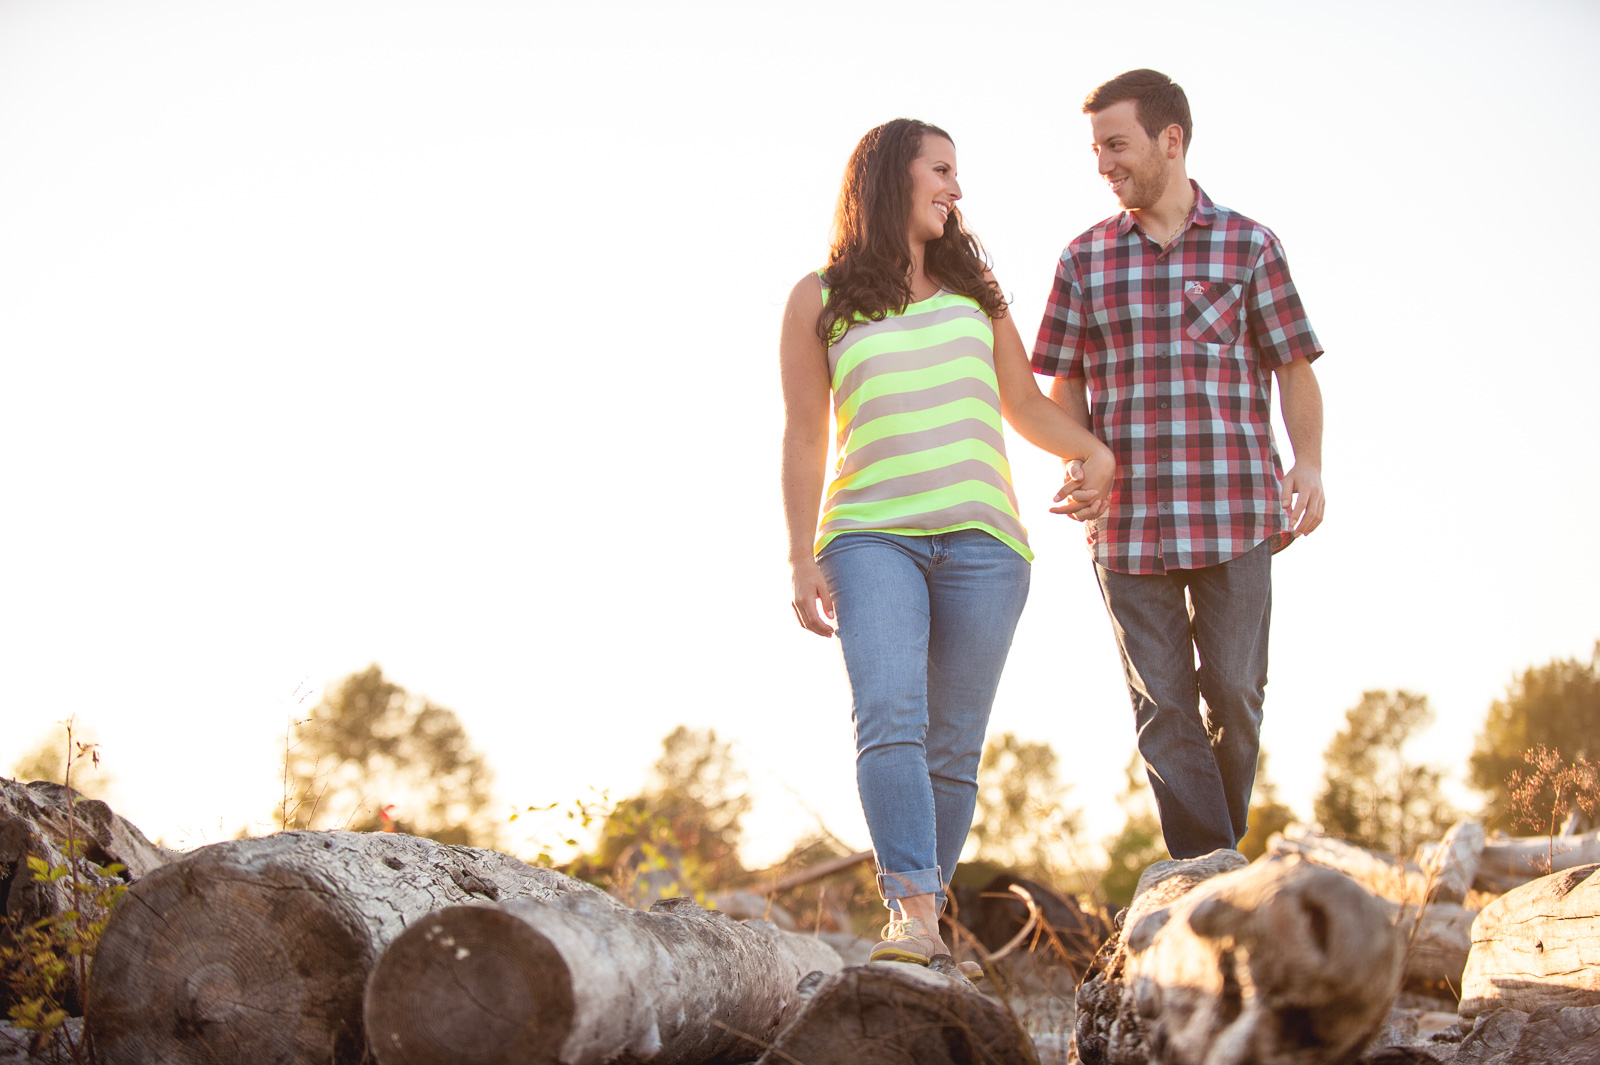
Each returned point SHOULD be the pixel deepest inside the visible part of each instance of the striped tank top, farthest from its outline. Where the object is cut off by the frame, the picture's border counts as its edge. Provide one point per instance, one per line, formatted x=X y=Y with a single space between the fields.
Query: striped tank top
x=917 y=407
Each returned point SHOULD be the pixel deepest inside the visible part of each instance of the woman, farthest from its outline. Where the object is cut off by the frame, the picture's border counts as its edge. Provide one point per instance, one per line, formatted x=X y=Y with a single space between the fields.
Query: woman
x=919 y=553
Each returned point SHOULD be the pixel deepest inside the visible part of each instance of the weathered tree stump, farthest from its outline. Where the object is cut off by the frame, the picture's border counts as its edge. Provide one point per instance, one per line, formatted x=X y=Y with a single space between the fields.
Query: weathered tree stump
x=1284 y=961
x=583 y=980
x=258 y=950
x=887 y=1013
x=1537 y=946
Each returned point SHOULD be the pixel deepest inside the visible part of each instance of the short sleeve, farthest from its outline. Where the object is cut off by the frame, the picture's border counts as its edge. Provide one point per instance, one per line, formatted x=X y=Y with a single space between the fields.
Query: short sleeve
x=1279 y=329
x=1058 y=351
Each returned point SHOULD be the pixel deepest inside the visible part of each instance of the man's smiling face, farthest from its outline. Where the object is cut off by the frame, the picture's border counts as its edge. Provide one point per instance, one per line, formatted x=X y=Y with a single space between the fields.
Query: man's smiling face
x=1133 y=165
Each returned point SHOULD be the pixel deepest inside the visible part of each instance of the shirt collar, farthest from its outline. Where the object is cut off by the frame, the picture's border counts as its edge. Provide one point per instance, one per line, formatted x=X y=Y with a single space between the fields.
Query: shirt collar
x=1203 y=213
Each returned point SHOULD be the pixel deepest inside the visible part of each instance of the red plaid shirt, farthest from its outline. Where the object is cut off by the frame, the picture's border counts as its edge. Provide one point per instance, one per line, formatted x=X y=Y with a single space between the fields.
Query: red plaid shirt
x=1177 y=348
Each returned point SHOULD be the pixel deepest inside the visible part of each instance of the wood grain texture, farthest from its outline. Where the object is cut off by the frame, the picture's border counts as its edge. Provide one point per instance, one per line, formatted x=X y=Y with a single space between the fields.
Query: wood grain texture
x=581 y=980
x=1537 y=946
x=258 y=950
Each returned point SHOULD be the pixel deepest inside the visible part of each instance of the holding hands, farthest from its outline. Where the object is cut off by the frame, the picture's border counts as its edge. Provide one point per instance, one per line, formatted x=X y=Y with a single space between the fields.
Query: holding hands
x=1086 y=489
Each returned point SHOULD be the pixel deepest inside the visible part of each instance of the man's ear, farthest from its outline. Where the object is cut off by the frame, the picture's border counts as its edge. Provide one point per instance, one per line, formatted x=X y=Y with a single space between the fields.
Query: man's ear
x=1172 y=141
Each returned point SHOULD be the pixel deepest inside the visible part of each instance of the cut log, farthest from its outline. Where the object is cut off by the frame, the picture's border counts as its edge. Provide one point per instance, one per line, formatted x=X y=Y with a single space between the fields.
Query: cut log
x=1537 y=946
x=258 y=950
x=886 y=1013
x=1382 y=875
x=1283 y=961
x=580 y=980
x=1452 y=863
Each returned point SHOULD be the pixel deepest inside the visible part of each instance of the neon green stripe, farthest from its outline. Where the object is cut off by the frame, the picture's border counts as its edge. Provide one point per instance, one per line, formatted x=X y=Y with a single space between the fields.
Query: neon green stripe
x=915 y=339
x=966 y=368
x=915 y=421
x=1010 y=541
x=922 y=461
x=878 y=510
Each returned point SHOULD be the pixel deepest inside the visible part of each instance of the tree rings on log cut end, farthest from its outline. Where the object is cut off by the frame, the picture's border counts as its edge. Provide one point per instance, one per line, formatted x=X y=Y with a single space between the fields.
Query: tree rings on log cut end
x=470 y=984
x=241 y=968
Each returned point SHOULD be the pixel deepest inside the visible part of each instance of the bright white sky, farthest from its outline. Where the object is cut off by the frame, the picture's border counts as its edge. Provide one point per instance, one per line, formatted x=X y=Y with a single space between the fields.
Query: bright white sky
x=442 y=334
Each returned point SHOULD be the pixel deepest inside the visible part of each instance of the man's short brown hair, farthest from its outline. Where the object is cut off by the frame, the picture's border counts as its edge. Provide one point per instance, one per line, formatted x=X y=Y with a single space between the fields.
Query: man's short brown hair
x=1158 y=100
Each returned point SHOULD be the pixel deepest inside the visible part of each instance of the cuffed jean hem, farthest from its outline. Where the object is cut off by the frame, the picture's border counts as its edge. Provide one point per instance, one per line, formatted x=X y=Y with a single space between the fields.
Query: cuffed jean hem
x=905 y=885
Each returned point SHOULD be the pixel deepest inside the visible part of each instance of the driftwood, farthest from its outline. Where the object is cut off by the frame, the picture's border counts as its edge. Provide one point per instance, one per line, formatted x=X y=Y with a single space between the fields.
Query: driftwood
x=1453 y=862
x=1282 y=961
x=1509 y=862
x=258 y=950
x=582 y=980
x=885 y=1013
x=1537 y=946
x=1382 y=875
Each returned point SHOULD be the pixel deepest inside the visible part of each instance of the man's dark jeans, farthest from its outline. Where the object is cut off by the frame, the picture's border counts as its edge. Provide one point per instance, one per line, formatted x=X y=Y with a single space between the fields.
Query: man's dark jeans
x=1202 y=768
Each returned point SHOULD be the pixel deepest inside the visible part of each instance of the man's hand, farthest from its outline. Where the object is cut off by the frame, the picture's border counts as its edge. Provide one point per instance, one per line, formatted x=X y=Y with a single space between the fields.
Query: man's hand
x=1303 y=498
x=1086 y=490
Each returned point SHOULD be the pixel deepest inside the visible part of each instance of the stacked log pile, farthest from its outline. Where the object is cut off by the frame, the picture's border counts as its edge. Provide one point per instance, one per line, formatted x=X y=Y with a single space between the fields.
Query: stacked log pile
x=342 y=947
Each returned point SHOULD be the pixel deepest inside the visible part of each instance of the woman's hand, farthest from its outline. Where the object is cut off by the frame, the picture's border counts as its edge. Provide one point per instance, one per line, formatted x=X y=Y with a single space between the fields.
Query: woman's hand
x=810 y=592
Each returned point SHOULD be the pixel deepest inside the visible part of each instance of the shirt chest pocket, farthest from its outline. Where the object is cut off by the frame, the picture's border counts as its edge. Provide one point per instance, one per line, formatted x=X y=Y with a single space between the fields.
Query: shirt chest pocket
x=1213 y=311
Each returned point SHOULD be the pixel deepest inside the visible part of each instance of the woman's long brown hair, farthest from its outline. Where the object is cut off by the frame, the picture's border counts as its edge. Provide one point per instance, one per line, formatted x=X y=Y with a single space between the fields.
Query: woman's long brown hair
x=870 y=255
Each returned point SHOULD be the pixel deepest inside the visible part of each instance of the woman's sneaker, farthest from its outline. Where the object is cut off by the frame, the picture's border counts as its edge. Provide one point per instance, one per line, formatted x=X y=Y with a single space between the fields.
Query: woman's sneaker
x=906 y=940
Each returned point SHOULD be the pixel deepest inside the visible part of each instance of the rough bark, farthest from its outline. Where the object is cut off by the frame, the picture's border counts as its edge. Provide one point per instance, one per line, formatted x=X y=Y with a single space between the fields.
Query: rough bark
x=258 y=950
x=1554 y=1035
x=1282 y=962
x=33 y=823
x=885 y=1013
x=1382 y=875
x=1453 y=862
x=1537 y=946
x=581 y=980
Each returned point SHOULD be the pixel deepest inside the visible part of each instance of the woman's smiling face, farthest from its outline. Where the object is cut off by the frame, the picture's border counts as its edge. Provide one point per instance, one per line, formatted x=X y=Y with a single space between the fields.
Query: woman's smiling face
x=934 y=190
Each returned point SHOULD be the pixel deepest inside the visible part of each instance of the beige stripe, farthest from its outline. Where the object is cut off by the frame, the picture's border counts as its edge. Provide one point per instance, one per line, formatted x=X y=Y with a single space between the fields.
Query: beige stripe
x=925 y=481
x=925 y=399
x=918 y=359
x=923 y=440
x=897 y=323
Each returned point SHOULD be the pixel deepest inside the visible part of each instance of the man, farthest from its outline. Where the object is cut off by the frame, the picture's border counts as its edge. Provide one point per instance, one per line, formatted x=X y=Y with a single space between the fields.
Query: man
x=1165 y=329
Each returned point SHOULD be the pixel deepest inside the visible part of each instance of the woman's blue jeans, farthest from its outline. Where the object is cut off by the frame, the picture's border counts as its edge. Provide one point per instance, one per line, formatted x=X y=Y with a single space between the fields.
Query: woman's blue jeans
x=925 y=623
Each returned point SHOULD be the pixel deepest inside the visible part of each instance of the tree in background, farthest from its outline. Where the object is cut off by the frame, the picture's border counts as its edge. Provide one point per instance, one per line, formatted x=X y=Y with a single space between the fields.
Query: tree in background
x=1021 y=824
x=372 y=756
x=1267 y=814
x=1138 y=845
x=47 y=760
x=683 y=830
x=1557 y=706
x=1371 y=794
